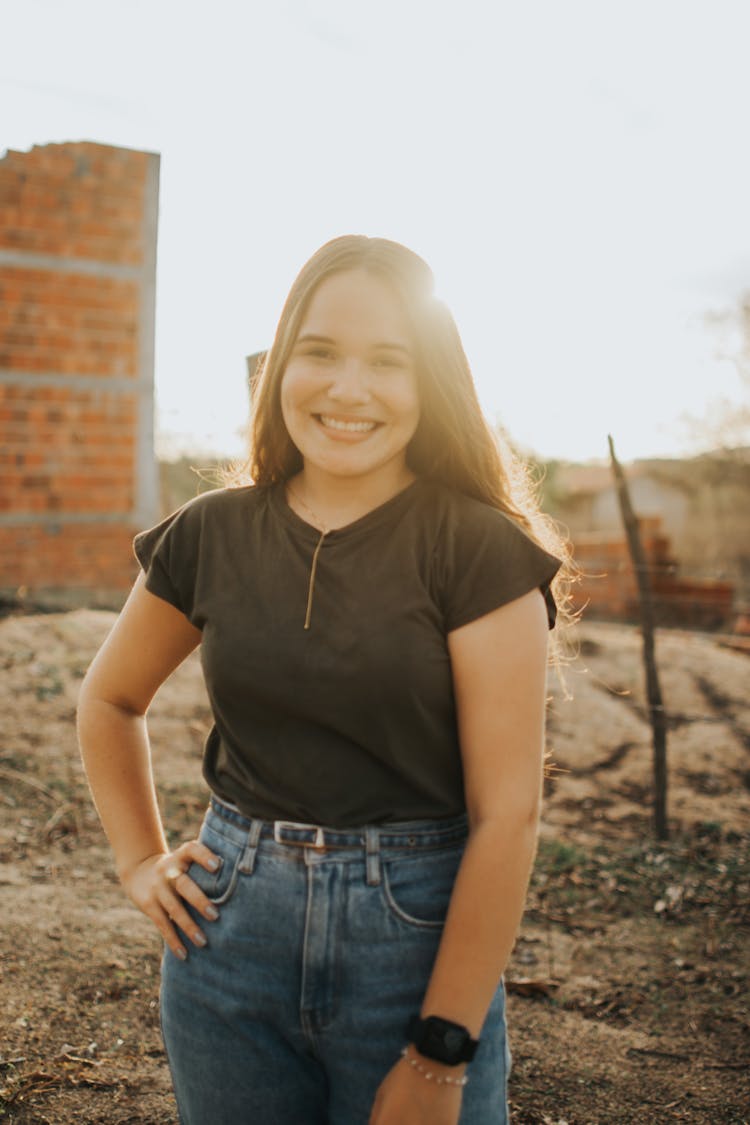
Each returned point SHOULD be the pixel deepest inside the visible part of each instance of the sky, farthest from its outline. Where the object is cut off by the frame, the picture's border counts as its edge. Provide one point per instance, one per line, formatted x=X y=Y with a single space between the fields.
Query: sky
x=577 y=175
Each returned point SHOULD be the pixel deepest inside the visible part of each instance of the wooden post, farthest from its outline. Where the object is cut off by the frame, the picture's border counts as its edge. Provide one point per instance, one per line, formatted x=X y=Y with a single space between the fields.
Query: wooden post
x=653 y=691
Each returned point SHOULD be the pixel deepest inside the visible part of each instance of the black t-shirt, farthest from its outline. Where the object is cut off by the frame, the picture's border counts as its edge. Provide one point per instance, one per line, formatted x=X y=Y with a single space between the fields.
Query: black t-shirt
x=353 y=720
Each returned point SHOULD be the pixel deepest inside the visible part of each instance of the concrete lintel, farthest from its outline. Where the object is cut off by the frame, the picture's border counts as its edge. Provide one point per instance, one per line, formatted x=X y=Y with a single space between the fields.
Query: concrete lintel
x=58 y=599
x=28 y=259
x=51 y=521
x=115 y=384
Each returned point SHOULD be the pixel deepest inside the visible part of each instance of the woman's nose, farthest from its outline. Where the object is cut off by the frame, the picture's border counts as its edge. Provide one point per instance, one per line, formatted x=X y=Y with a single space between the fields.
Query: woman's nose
x=350 y=383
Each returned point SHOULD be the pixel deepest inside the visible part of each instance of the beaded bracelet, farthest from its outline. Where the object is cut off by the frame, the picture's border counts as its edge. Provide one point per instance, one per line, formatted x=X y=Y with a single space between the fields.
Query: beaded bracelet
x=441 y=1079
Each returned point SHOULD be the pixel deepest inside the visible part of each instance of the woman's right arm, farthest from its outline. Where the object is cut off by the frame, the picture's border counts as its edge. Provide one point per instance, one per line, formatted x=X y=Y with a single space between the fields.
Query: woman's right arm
x=149 y=640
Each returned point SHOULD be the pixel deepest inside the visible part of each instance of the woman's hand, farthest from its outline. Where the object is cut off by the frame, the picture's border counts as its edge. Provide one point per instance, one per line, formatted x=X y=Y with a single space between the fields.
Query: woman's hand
x=406 y=1097
x=160 y=887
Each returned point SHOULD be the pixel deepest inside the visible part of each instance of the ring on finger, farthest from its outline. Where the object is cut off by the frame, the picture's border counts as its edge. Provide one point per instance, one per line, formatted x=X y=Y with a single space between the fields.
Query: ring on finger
x=173 y=873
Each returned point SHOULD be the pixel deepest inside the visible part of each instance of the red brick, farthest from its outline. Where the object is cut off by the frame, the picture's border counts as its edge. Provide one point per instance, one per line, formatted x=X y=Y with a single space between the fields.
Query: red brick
x=67 y=449
x=89 y=554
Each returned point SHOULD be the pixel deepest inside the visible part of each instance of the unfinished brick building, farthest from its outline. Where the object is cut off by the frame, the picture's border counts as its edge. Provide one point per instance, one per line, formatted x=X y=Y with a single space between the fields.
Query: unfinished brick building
x=609 y=589
x=77 y=282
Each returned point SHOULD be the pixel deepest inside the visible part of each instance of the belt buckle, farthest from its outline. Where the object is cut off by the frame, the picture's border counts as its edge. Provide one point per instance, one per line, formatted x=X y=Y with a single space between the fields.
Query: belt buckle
x=318 y=842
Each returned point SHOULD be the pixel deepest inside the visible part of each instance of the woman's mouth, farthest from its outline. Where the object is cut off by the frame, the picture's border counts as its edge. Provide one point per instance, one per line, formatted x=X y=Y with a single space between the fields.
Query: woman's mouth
x=346 y=426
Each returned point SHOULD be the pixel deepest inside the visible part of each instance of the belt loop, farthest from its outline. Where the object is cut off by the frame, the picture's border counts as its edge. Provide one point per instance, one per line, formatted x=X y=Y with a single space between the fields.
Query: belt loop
x=372 y=847
x=247 y=863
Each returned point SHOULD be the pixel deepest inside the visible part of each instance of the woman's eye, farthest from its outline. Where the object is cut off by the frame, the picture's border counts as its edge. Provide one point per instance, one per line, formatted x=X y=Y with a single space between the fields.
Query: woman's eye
x=385 y=362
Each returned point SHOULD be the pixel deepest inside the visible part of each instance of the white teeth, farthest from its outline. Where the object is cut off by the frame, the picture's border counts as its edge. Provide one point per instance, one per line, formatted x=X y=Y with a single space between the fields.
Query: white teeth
x=348 y=427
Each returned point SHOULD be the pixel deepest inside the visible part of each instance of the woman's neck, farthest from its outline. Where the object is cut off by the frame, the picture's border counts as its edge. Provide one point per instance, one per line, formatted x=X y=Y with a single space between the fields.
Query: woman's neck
x=331 y=501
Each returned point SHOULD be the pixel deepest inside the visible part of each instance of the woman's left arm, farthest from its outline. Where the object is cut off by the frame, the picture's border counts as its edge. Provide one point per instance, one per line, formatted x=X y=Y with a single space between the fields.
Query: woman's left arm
x=499 y=673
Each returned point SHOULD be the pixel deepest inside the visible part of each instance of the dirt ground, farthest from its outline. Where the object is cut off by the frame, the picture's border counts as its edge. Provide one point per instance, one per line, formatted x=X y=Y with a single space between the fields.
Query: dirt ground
x=629 y=982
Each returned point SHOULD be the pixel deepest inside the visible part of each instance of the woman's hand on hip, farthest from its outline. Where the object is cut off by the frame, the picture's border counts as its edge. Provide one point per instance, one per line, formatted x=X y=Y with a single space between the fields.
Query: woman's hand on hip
x=159 y=886
x=406 y=1097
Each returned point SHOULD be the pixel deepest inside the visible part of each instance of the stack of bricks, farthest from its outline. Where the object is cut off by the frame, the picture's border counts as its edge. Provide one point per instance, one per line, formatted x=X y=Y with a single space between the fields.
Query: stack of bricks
x=608 y=586
x=77 y=285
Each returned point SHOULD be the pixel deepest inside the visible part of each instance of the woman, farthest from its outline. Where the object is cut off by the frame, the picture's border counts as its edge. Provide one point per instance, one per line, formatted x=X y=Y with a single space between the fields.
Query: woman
x=373 y=613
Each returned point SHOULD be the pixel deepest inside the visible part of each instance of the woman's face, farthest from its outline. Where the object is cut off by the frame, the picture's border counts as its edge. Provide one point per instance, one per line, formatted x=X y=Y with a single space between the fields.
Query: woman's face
x=349 y=393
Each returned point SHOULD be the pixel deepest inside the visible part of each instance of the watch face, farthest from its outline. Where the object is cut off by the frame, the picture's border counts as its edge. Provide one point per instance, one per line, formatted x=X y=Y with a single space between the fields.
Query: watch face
x=446 y=1042
x=440 y=1039
x=454 y=1039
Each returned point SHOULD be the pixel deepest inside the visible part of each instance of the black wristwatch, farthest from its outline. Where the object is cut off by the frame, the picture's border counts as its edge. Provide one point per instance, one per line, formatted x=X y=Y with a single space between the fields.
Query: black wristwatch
x=442 y=1040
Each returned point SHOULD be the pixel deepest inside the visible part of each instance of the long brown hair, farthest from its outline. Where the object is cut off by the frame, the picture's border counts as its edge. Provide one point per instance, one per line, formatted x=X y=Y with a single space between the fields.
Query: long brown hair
x=453 y=442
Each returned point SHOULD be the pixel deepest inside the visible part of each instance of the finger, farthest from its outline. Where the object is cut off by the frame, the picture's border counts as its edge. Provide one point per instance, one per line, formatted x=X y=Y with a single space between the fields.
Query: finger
x=202 y=855
x=193 y=851
x=161 y=920
x=173 y=906
x=188 y=889
x=196 y=852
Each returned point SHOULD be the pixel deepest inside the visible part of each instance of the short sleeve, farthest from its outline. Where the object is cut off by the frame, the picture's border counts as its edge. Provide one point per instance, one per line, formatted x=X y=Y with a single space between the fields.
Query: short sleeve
x=489 y=560
x=167 y=554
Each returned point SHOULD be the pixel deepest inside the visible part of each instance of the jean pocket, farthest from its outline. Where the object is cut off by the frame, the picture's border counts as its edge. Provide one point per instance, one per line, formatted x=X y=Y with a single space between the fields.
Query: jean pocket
x=218 y=886
x=417 y=889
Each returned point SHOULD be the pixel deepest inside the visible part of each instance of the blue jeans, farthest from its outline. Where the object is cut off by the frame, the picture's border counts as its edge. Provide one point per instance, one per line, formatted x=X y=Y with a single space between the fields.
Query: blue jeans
x=295 y=1011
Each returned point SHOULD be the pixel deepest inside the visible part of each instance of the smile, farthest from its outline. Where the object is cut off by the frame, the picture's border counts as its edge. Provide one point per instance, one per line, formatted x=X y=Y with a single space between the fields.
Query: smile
x=363 y=427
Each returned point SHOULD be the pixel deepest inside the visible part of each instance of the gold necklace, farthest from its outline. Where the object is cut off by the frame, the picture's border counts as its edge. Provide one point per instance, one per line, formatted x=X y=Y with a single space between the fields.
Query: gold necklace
x=320 y=523
x=323 y=528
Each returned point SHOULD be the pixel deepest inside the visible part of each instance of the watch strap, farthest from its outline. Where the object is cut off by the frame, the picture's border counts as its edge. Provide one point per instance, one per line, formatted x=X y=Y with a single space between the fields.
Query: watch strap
x=442 y=1040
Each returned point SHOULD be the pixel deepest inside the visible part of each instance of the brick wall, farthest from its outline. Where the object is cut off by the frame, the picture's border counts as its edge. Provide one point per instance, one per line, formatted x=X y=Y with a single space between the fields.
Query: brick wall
x=608 y=586
x=77 y=275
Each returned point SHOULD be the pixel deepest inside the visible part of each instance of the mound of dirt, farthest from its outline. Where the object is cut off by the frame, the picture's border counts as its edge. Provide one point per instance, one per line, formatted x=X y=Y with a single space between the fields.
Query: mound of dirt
x=628 y=985
x=600 y=740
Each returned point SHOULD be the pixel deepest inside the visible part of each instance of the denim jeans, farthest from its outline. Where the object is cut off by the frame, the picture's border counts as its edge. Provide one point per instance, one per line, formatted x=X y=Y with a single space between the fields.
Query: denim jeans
x=295 y=1011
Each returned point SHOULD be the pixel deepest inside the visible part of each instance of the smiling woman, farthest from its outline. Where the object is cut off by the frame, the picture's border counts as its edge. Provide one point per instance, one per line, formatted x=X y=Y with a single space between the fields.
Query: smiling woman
x=349 y=398
x=372 y=597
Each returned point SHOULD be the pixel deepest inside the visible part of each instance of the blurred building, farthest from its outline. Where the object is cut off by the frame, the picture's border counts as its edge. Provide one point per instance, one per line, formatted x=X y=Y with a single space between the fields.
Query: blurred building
x=78 y=225
x=695 y=526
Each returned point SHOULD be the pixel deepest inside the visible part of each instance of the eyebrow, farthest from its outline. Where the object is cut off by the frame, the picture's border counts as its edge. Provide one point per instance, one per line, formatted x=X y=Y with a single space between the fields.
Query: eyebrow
x=312 y=338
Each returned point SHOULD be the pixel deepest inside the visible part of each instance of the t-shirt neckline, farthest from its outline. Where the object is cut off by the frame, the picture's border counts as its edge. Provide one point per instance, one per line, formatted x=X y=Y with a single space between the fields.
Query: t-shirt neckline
x=360 y=526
